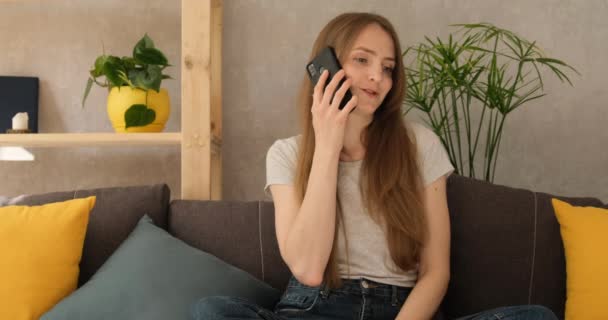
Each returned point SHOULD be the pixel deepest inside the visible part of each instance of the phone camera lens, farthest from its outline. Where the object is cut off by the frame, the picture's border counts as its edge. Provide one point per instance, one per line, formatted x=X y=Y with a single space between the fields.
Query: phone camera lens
x=312 y=70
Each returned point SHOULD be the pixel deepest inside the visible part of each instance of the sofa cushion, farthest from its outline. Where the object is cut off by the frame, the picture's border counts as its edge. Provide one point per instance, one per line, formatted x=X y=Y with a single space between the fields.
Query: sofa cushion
x=41 y=249
x=506 y=248
x=153 y=275
x=116 y=213
x=241 y=233
x=583 y=231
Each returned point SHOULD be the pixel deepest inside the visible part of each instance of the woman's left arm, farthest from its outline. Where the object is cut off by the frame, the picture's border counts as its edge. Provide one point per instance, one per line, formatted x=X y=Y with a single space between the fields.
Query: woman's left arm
x=434 y=268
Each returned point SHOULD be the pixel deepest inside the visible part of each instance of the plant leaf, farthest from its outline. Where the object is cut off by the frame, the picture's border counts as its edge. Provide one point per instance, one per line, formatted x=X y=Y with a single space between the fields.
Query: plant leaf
x=139 y=115
x=144 y=43
x=133 y=74
x=111 y=69
x=98 y=66
x=150 y=78
x=129 y=63
x=87 y=89
x=151 y=56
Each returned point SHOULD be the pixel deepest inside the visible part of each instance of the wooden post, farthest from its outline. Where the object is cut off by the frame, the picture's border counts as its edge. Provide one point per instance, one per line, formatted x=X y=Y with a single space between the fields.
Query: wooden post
x=201 y=99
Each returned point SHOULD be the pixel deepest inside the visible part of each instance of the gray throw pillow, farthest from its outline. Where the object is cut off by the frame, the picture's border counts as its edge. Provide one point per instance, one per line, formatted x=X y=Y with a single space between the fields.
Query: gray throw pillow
x=154 y=275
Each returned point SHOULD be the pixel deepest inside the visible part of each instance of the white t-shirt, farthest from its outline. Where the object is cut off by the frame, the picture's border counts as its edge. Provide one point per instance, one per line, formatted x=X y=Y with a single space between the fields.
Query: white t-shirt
x=368 y=252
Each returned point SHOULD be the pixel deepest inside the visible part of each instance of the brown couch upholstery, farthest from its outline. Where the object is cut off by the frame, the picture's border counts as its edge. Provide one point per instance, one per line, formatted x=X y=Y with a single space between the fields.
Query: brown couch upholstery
x=506 y=245
x=506 y=248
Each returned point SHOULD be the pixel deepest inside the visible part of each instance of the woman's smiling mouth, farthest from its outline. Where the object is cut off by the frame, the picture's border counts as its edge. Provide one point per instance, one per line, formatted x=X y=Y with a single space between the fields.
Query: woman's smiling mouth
x=370 y=93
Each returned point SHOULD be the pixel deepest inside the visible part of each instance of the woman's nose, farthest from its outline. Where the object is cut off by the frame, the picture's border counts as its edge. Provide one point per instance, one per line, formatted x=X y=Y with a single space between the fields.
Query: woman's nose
x=375 y=74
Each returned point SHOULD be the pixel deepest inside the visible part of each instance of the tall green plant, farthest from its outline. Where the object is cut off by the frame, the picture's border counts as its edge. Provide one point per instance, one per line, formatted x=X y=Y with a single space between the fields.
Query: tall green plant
x=488 y=72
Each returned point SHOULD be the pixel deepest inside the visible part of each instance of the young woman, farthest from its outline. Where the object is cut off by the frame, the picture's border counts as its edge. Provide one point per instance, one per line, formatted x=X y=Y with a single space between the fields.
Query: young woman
x=360 y=197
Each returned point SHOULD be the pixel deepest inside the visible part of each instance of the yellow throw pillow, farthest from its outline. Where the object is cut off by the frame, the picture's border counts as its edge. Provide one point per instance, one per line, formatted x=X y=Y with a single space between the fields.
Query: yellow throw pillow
x=584 y=233
x=40 y=250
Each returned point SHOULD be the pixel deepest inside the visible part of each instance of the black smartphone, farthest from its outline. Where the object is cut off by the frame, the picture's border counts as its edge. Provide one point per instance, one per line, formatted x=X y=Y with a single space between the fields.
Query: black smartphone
x=327 y=60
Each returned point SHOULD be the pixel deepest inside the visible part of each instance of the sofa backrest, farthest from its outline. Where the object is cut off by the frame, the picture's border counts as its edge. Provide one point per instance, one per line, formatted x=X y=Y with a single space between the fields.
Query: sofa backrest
x=116 y=212
x=240 y=233
x=506 y=248
x=506 y=244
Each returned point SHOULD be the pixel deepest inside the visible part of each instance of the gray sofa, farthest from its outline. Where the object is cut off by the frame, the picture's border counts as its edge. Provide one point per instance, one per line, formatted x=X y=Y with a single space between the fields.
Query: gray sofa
x=506 y=244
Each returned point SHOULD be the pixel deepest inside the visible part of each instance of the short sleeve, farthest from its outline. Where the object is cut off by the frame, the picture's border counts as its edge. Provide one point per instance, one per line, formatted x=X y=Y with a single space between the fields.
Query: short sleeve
x=280 y=163
x=434 y=160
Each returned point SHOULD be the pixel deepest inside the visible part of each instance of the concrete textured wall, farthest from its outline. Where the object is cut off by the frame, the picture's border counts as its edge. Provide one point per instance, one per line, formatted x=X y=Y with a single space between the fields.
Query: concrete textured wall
x=556 y=144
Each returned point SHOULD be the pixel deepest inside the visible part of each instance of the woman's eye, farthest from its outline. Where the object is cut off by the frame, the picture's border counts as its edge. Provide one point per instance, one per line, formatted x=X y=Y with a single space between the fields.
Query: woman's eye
x=388 y=69
x=361 y=60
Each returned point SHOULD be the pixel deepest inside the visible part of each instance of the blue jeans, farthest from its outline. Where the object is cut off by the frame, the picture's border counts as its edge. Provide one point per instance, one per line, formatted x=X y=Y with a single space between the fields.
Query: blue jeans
x=360 y=299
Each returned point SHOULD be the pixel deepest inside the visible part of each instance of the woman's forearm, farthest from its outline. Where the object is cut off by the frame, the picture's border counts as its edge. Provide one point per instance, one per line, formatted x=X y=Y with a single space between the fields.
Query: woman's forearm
x=426 y=296
x=310 y=238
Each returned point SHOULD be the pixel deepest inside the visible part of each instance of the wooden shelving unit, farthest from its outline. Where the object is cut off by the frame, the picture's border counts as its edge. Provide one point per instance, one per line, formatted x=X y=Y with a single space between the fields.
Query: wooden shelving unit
x=201 y=103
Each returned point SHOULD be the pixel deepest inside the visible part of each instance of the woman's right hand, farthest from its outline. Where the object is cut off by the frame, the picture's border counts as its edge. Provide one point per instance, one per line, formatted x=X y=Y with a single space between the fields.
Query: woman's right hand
x=328 y=120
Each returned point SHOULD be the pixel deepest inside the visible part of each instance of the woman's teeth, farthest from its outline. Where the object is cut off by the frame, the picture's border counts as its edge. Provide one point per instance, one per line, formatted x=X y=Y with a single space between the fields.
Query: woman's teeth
x=370 y=93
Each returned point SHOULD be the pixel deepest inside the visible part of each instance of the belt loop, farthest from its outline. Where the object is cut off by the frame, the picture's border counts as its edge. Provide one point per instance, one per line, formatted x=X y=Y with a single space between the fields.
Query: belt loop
x=394 y=297
x=324 y=290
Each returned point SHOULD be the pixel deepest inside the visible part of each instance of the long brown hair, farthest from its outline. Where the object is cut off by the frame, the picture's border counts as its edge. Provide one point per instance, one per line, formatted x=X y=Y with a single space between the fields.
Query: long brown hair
x=391 y=186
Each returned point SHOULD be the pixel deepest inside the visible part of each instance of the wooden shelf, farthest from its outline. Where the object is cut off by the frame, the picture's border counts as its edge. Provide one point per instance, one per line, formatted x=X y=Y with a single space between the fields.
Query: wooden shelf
x=106 y=139
x=109 y=139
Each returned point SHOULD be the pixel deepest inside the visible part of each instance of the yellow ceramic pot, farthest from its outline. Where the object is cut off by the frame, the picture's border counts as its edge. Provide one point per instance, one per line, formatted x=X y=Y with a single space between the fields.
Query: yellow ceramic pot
x=122 y=98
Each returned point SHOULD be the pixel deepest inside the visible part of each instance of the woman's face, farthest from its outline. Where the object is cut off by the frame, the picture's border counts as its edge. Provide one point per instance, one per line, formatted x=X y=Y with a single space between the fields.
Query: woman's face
x=369 y=65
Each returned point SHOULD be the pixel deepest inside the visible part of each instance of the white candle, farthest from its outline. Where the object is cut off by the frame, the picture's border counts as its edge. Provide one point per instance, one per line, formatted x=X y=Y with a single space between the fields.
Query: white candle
x=20 y=121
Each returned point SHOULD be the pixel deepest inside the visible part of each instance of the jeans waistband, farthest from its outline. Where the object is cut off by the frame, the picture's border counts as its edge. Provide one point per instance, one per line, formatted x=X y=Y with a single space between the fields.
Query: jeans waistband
x=366 y=286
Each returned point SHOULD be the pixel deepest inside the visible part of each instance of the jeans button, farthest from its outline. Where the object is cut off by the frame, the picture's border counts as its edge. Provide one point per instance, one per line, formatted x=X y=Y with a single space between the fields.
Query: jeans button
x=364 y=284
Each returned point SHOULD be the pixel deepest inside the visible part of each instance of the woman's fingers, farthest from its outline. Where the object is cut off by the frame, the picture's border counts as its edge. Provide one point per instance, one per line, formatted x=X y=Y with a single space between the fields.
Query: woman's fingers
x=339 y=96
x=331 y=87
x=318 y=90
x=352 y=104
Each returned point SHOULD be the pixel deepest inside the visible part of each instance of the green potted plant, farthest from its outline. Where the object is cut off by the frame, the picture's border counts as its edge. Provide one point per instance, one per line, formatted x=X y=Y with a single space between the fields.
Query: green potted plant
x=462 y=85
x=136 y=102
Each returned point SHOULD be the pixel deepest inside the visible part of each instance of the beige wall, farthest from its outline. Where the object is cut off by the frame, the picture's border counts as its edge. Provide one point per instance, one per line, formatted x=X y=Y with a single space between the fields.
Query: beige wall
x=556 y=144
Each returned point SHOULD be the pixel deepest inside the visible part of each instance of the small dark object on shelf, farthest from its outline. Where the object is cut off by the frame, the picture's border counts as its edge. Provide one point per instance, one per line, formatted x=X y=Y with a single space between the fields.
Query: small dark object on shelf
x=18 y=131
